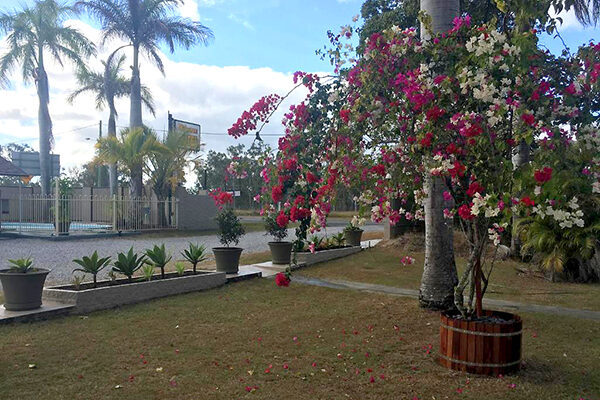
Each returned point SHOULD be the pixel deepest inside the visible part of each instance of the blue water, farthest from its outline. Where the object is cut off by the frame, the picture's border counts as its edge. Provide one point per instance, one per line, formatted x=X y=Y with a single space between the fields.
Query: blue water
x=30 y=226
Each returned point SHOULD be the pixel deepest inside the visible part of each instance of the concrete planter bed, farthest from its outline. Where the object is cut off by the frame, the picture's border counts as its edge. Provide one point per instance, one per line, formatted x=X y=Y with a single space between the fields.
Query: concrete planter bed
x=110 y=294
x=308 y=258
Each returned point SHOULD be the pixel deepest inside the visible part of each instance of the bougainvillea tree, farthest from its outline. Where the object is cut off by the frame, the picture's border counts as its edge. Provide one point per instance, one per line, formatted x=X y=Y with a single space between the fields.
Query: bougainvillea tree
x=454 y=108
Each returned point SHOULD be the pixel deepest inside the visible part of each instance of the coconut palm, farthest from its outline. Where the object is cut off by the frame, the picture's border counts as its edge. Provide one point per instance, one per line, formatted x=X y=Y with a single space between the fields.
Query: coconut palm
x=131 y=151
x=145 y=24
x=32 y=34
x=107 y=86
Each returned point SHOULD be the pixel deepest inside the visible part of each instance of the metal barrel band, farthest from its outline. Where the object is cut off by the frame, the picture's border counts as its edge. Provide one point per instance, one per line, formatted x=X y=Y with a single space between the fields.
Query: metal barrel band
x=502 y=334
x=474 y=364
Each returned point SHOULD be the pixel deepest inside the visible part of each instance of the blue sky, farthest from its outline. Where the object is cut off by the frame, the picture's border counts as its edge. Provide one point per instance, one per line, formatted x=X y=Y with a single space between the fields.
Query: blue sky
x=258 y=45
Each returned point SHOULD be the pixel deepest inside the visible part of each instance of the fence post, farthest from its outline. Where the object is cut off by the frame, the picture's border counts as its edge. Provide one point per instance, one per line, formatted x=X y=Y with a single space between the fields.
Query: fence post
x=176 y=213
x=56 y=206
x=21 y=207
x=114 y=210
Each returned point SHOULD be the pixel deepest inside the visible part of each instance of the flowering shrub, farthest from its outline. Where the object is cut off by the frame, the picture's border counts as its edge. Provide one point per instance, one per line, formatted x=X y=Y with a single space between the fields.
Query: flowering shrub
x=277 y=227
x=452 y=108
x=230 y=228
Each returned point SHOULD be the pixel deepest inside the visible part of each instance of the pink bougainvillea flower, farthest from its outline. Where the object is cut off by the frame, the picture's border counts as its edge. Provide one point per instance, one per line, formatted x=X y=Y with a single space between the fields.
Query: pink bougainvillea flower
x=459 y=390
x=526 y=201
x=285 y=366
x=314 y=364
x=372 y=379
x=282 y=219
x=512 y=385
x=447 y=195
x=311 y=247
x=529 y=119
x=474 y=188
x=281 y=279
x=407 y=260
x=464 y=212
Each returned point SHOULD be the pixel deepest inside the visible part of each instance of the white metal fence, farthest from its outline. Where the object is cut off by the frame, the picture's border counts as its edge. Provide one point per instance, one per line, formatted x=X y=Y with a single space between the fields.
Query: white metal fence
x=62 y=215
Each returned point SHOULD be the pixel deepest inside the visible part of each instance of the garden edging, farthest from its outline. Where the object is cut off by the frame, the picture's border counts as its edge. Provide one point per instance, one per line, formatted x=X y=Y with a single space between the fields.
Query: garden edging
x=111 y=296
x=309 y=258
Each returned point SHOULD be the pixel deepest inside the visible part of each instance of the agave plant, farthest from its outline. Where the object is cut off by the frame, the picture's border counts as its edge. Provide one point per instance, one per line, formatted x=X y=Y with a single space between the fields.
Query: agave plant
x=338 y=239
x=92 y=265
x=128 y=264
x=159 y=258
x=196 y=253
x=21 y=265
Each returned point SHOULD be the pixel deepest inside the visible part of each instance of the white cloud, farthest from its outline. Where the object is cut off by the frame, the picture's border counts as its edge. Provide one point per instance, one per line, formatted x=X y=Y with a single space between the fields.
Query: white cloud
x=189 y=9
x=245 y=23
x=210 y=95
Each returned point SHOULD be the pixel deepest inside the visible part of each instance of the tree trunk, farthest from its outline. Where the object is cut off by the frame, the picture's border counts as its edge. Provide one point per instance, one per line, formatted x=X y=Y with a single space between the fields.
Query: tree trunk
x=520 y=158
x=135 y=113
x=137 y=187
x=112 y=168
x=439 y=272
x=45 y=126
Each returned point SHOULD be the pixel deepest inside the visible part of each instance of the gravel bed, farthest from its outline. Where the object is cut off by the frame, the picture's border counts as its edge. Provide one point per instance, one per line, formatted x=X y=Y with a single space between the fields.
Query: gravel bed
x=58 y=255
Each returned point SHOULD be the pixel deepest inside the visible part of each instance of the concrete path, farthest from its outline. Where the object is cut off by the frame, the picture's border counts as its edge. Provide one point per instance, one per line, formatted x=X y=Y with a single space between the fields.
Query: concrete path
x=58 y=255
x=394 y=291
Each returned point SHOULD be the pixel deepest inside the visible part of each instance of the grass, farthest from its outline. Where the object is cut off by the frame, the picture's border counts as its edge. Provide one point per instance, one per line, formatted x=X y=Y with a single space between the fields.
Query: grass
x=214 y=344
x=382 y=266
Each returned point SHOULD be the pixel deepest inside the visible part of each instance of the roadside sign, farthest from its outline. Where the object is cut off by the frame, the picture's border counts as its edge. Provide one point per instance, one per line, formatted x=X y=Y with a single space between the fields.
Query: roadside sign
x=29 y=161
x=191 y=129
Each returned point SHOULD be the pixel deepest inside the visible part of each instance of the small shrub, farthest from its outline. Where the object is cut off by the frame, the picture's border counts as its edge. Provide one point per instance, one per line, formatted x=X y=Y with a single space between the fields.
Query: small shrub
x=339 y=239
x=230 y=228
x=275 y=230
x=77 y=281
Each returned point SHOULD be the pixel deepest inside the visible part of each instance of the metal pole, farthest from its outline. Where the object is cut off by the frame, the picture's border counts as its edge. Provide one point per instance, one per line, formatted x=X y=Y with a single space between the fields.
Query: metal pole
x=99 y=167
x=114 y=216
x=176 y=213
x=20 y=206
x=56 y=206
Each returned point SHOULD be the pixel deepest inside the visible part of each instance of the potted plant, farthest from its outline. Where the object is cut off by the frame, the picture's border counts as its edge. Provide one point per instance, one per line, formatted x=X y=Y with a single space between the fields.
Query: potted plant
x=230 y=230
x=92 y=265
x=276 y=227
x=23 y=285
x=353 y=232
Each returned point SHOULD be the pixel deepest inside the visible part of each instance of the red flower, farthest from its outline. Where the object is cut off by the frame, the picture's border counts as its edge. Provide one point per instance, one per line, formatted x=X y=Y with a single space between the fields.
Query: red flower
x=281 y=279
x=457 y=170
x=529 y=119
x=290 y=164
x=464 y=212
x=345 y=115
x=526 y=201
x=426 y=141
x=311 y=178
x=277 y=193
x=543 y=175
x=475 y=187
x=282 y=219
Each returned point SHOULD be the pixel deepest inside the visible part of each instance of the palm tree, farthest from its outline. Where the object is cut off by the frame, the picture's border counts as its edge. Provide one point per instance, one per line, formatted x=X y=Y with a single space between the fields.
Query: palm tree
x=167 y=167
x=107 y=86
x=131 y=151
x=439 y=273
x=33 y=33
x=145 y=24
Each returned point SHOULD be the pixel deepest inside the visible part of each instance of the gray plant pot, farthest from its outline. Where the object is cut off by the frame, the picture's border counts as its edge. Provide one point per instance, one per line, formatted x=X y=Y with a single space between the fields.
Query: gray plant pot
x=281 y=252
x=227 y=259
x=23 y=291
x=353 y=237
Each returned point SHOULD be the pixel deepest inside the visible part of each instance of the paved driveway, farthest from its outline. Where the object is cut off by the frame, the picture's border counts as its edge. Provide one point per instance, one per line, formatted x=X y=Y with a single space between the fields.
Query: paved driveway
x=57 y=255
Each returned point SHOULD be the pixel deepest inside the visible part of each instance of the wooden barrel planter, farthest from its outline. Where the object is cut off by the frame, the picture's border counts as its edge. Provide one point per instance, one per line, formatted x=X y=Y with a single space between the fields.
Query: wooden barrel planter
x=489 y=347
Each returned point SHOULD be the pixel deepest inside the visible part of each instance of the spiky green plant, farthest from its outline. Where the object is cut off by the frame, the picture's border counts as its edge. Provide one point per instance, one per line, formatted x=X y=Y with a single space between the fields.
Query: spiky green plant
x=159 y=258
x=339 y=239
x=92 y=265
x=180 y=268
x=148 y=272
x=128 y=264
x=195 y=253
x=21 y=265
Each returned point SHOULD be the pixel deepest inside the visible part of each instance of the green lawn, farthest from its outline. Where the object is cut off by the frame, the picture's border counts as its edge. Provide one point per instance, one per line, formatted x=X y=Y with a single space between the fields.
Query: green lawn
x=382 y=266
x=300 y=342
